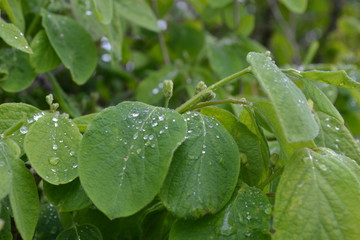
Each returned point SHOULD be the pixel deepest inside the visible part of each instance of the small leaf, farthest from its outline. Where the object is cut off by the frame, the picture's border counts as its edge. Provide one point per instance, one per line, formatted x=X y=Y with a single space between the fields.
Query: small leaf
x=129 y=146
x=72 y=44
x=13 y=36
x=204 y=170
x=67 y=197
x=336 y=78
x=104 y=10
x=250 y=143
x=335 y=135
x=317 y=197
x=44 y=58
x=51 y=146
x=296 y=6
x=49 y=225
x=86 y=231
x=24 y=199
x=13 y=9
x=20 y=73
x=246 y=217
x=295 y=117
x=116 y=34
x=138 y=12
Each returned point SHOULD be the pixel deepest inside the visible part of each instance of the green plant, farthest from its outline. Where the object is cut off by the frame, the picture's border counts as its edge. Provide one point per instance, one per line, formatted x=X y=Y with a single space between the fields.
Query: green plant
x=279 y=164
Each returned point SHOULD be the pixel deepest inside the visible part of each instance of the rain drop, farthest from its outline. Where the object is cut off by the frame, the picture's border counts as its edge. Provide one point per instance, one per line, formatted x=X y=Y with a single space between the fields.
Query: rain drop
x=16 y=37
x=54 y=160
x=161 y=118
x=151 y=137
x=75 y=166
x=55 y=119
x=55 y=147
x=155 y=91
x=136 y=135
x=24 y=130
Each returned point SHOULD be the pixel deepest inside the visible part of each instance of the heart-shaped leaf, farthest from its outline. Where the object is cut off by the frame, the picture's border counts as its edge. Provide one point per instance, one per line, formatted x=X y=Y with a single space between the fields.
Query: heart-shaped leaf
x=125 y=155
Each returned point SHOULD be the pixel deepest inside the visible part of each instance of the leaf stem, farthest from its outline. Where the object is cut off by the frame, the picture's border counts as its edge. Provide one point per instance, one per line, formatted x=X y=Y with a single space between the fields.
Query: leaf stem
x=197 y=98
x=217 y=102
x=276 y=173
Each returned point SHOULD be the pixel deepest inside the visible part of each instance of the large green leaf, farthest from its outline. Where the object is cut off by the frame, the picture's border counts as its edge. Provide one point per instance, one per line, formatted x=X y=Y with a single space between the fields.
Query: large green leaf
x=138 y=12
x=318 y=197
x=72 y=43
x=336 y=78
x=250 y=143
x=13 y=36
x=296 y=6
x=104 y=10
x=289 y=102
x=24 y=199
x=204 y=170
x=13 y=9
x=86 y=231
x=67 y=197
x=246 y=217
x=44 y=58
x=20 y=73
x=51 y=146
x=335 y=135
x=49 y=225
x=125 y=154
x=266 y=113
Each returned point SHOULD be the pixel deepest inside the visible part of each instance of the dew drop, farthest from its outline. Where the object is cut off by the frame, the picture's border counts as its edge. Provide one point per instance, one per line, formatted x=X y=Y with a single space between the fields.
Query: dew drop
x=72 y=153
x=75 y=166
x=56 y=124
x=16 y=37
x=151 y=137
x=203 y=151
x=155 y=91
x=138 y=151
x=145 y=137
x=55 y=147
x=55 y=119
x=154 y=124
x=37 y=116
x=136 y=135
x=161 y=132
x=161 y=118
x=337 y=128
x=54 y=160
x=24 y=130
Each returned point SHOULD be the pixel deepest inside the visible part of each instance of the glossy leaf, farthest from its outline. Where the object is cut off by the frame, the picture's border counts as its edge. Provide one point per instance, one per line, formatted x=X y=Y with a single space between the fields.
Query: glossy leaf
x=13 y=9
x=136 y=141
x=204 y=170
x=44 y=58
x=86 y=231
x=49 y=225
x=104 y=10
x=266 y=113
x=51 y=146
x=295 y=117
x=336 y=78
x=317 y=197
x=250 y=143
x=24 y=199
x=296 y=6
x=72 y=44
x=67 y=197
x=138 y=12
x=246 y=217
x=20 y=73
x=336 y=136
x=13 y=36
x=219 y=3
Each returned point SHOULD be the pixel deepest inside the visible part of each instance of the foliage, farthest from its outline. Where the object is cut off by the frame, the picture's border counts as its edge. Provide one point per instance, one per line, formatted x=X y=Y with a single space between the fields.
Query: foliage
x=135 y=144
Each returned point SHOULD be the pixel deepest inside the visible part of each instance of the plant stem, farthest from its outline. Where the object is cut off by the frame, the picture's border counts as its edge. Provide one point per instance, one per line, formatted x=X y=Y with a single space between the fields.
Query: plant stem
x=197 y=98
x=211 y=103
x=277 y=173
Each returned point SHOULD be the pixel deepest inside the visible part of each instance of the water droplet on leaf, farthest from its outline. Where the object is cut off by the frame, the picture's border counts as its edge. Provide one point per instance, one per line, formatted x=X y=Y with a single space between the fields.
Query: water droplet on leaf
x=54 y=160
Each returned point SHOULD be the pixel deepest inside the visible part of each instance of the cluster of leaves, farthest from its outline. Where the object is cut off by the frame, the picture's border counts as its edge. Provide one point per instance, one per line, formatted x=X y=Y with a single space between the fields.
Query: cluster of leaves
x=140 y=171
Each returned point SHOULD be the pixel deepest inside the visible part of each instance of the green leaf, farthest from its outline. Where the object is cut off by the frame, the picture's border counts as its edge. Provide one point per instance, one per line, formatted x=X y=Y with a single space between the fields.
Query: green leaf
x=150 y=88
x=13 y=36
x=250 y=143
x=86 y=231
x=115 y=34
x=67 y=197
x=290 y=104
x=317 y=197
x=246 y=217
x=20 y=73
x=266 y=113
x=138 y=12
x=49 y=225
x=24 y=199
x=13 y=9
x=82 y=122
x=12 y=113
x=72 y=44
x=219 y=3
x=44 y=58
x=104 y=10
x=321 y=102
x=5 y=223
x=136 y=141
x=51 y=146
x=335 y=135
x=7 y=154
x=336 y=78
x=296 y=6
x=204 y=170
